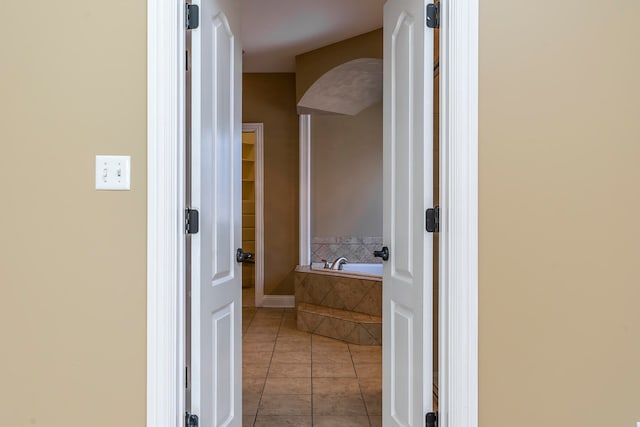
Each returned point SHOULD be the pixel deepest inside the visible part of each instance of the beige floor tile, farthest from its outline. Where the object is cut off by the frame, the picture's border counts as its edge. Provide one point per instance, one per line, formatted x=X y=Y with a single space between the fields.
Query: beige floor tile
x=375 y=421
x=253 y=347
x=367 y=356
x=340 y=421
x=294 y=340
x=291 y=357
x=369 y=370
x=257 y=357
x=261 y=317
x=250 y=403
x=278 y=363
x=325 y=356
x=371 y=385
x=290 y=370
x=321 y=343
x=336 y=386
x=249 y=312
x=263 y=323
x=333 y=370
x=290 y=312
x=293 y=344
x=263 y=330
x=253 y=338
x=281 y=421
x=373 y=402
x=248 y=420
x=254 y=370
x=338 y=405
x=252 y=385
x=293 y=332
x=285 y=404
x=289 y=323
x=287 y=386
x=355 y=348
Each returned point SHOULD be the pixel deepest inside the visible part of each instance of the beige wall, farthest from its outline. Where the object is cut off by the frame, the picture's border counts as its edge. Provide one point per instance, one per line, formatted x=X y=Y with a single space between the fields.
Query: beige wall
x=270 y=99
x=312 y=65
x=346 y=174
x=72 y=260
x=559 y=202
x=559 y=132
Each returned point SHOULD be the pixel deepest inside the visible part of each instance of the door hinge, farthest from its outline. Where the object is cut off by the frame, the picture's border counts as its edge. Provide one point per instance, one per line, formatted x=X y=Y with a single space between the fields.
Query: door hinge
x=191 y=420
x=191 y=16
x=191 y=221
x=432 y=419
x=433 y=15
x=433 y=219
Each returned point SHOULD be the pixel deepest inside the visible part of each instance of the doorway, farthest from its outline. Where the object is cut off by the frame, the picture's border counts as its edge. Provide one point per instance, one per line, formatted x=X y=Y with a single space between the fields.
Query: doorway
x=165 y=335
x=253 y=214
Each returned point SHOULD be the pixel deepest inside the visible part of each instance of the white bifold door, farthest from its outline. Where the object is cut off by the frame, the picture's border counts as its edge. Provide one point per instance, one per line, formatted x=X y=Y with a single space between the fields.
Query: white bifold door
x=216 y=353
x=408 y=192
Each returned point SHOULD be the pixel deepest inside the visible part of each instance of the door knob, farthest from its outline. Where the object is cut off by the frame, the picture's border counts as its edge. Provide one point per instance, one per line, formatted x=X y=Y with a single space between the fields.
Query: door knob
x=384 y=253
x=242 y=256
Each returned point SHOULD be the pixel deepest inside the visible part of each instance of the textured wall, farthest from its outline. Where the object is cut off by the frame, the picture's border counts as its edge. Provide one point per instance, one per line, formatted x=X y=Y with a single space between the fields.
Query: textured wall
x=312 y=65
x=346 y=175
x=270 y=99
x=559 y=200
x=72 y=260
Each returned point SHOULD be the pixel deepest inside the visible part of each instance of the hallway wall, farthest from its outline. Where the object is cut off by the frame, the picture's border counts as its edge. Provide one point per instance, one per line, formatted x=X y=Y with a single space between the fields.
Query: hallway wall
x=72 y=260
x=559 y=200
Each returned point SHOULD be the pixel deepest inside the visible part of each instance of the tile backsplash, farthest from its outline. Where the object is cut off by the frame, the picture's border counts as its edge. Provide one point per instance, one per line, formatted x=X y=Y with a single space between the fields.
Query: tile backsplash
x=355 y=249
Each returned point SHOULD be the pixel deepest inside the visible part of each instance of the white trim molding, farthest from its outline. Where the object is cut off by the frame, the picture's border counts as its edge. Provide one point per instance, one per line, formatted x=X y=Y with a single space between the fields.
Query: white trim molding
x=305 y=189
x=165 y=214
x=458 y=391
x=258 y=129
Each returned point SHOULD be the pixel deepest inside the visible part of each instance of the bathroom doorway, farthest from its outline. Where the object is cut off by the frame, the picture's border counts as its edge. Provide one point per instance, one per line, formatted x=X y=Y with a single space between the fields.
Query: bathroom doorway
x=253 y=214
x=459 y=250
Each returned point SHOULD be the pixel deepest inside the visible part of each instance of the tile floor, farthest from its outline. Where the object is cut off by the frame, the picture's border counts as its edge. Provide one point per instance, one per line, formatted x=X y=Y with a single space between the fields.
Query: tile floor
x=293 y=378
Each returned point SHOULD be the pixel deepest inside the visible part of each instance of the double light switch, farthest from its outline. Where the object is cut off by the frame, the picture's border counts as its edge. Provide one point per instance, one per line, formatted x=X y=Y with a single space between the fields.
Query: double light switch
x=113 y=173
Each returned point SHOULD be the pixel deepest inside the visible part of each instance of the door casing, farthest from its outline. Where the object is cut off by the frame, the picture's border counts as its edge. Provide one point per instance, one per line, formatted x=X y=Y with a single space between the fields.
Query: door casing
x=458 y=322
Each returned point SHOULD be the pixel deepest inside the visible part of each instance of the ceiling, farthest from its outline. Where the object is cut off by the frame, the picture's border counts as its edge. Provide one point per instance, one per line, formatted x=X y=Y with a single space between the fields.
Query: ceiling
x=275 y=31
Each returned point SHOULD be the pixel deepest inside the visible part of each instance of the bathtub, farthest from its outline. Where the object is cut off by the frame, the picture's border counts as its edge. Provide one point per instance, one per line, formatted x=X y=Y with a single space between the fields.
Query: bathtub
x=358 y=269
x=342 y=304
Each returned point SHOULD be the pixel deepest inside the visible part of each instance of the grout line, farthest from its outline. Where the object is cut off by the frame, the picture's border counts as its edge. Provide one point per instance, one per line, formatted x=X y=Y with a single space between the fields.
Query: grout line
x=311 y=368
x=364 y=402
x=269 y=368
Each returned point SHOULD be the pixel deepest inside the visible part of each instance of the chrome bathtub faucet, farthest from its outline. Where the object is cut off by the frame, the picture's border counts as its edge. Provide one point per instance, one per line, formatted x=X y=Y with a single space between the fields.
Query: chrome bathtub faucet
x=339 y=263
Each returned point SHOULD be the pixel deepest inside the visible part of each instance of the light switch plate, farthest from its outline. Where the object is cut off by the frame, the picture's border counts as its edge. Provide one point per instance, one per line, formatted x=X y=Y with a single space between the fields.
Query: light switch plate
x=113 y=173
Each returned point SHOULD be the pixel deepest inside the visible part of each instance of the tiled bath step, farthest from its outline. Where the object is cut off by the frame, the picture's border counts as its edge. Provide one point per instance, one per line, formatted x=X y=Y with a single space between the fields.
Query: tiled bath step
x=349 y=326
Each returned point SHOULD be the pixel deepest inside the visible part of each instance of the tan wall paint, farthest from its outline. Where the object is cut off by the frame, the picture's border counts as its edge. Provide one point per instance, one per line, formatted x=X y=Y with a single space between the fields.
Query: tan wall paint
x=559 y=202
x=270 y=99
x=346 y=174
x=312 y=65
x=559 y=323
x=72 y=260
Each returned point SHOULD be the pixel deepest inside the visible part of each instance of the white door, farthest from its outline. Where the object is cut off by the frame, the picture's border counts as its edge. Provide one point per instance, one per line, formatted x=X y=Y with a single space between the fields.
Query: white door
x=216 y=354
x=408 y=184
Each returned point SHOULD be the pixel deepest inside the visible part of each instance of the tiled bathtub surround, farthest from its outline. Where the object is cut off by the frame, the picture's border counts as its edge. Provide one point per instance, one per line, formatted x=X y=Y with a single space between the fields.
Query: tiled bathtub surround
x=337 y=306
x=356 y=249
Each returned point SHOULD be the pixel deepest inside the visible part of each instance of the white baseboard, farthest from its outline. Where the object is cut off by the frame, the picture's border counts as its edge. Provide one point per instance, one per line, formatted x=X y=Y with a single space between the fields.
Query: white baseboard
x=278 y=301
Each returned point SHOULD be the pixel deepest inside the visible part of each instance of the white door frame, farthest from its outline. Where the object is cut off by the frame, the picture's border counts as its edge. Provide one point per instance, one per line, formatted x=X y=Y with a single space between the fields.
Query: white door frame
x=458 y=375
x=258 y=130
